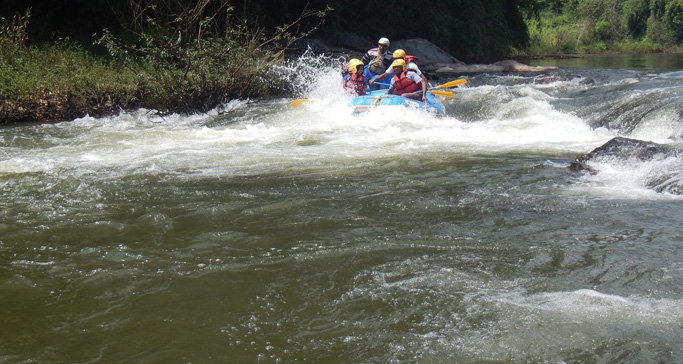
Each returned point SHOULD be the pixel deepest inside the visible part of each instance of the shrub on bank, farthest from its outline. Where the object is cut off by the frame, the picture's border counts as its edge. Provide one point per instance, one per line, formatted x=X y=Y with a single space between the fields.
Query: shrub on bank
x=185 y=67
x=64 y=81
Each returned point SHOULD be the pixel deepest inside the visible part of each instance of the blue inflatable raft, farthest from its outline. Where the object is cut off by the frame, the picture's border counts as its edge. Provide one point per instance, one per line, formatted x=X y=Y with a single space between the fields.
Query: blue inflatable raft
x=376 y=98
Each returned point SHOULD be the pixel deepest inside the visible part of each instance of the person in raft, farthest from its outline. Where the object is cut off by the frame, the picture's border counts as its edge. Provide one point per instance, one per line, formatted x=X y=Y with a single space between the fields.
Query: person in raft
x=353 y=79
x=377 y=59
x=407 y=83
x=411 y=63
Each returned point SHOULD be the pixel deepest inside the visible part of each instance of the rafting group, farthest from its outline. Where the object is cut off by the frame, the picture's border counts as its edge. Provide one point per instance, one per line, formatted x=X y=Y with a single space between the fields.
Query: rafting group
x=408 y=86
x=363 y=75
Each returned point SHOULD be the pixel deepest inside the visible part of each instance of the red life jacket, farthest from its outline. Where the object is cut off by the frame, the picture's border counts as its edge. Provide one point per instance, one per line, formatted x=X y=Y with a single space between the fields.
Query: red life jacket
x=356 y=84
x=403 y=84
x=410 y=58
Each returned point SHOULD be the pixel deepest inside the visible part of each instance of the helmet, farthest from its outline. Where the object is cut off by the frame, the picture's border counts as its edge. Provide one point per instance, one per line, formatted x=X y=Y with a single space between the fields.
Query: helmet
x=354 y=63
x=399 y=63
x=383 y=41
x=399 y=53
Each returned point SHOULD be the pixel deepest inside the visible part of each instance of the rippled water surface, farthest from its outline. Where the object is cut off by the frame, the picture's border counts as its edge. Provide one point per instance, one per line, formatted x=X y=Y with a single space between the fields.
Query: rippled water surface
x=263 y=233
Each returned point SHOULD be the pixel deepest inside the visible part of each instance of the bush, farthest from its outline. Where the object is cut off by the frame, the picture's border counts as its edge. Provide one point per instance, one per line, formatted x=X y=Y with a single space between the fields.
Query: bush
x=658 y=32
x=601 y=30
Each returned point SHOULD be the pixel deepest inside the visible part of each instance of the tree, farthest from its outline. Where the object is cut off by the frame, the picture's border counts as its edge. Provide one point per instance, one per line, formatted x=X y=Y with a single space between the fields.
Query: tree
x=472 y=30
x=674 y=19
x=634 y=17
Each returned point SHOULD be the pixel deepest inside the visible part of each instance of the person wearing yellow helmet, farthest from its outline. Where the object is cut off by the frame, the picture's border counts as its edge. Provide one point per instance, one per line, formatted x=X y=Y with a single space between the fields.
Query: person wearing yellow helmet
x=407 y=83
x=354 y=80
x=377 y=60
x=411 y=63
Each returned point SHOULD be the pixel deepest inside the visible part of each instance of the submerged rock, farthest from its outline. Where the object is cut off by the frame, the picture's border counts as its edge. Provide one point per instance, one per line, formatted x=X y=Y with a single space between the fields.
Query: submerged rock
x=619 y=147
x=625 y=148
x=668 y=180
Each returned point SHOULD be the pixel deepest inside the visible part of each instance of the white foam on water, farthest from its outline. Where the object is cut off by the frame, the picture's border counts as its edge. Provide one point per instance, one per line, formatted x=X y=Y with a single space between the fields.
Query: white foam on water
x=271 y=136
x=466 y=316
x=631 y=178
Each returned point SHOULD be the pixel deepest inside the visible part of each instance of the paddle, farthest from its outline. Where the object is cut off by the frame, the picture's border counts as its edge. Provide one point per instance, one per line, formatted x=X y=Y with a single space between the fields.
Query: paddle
x=431 y=90
x=449 y=84
x=459 y=81
x=298 y=102
x=447 y=94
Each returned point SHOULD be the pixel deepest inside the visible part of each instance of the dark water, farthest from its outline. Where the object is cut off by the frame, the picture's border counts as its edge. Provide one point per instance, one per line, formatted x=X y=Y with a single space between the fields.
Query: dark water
x=261 y=233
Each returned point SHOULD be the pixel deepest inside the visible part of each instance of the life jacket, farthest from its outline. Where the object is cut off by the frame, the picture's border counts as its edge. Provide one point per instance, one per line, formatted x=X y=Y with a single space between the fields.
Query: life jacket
x=377 y=67
x=355 y=84
x=410 y=58
x=403 y=84
x=379 y=62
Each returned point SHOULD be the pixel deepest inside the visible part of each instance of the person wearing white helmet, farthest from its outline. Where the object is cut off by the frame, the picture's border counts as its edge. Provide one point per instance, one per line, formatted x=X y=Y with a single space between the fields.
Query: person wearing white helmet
x=377 y=60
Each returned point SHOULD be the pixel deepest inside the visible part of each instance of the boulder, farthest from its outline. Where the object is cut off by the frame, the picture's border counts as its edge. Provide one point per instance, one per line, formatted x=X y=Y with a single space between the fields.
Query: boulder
x=621 y=148
x=431 y=58
x=426 y=52
x=353 y=41
x=633 y=151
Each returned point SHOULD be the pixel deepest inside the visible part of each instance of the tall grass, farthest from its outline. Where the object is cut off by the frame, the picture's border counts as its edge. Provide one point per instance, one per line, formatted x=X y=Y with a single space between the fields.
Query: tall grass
x=64 y=80
x=72 y=77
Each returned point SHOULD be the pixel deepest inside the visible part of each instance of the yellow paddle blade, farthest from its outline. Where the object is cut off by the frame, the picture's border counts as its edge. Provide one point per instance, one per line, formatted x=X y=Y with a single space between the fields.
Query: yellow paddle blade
x=442 y=93
x=459 y=81
x=298 y=102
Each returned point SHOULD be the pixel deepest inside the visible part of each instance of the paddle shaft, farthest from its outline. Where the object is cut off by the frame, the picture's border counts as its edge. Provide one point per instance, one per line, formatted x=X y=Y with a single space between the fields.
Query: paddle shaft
x=431 y=90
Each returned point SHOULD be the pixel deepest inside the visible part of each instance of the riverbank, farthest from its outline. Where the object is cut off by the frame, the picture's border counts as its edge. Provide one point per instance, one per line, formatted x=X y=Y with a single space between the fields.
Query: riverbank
x=65 y=81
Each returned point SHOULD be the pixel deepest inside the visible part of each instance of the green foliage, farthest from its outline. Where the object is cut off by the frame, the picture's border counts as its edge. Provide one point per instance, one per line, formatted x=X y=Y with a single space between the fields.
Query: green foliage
x=642 y=46
x=578 y=26
x=658 y=8
x=634 y=17
x=31 y=71
x=14 y=30
x=472 y=30
x=658 y=32
x=180 y=59
x=602 y=30
x=674 y=19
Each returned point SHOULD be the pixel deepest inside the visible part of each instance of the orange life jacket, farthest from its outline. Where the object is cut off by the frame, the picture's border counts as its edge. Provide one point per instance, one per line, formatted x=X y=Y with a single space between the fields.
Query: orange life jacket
x=403 y=84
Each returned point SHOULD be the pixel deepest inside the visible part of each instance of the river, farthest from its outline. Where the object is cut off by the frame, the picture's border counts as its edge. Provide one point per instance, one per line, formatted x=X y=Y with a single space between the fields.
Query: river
x=264 y=233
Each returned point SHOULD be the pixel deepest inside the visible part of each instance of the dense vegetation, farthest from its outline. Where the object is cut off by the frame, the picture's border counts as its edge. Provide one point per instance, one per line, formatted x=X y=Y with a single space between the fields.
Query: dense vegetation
x=595 y=26
x=471 y=30
x=169 y=56
x=63 y=59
